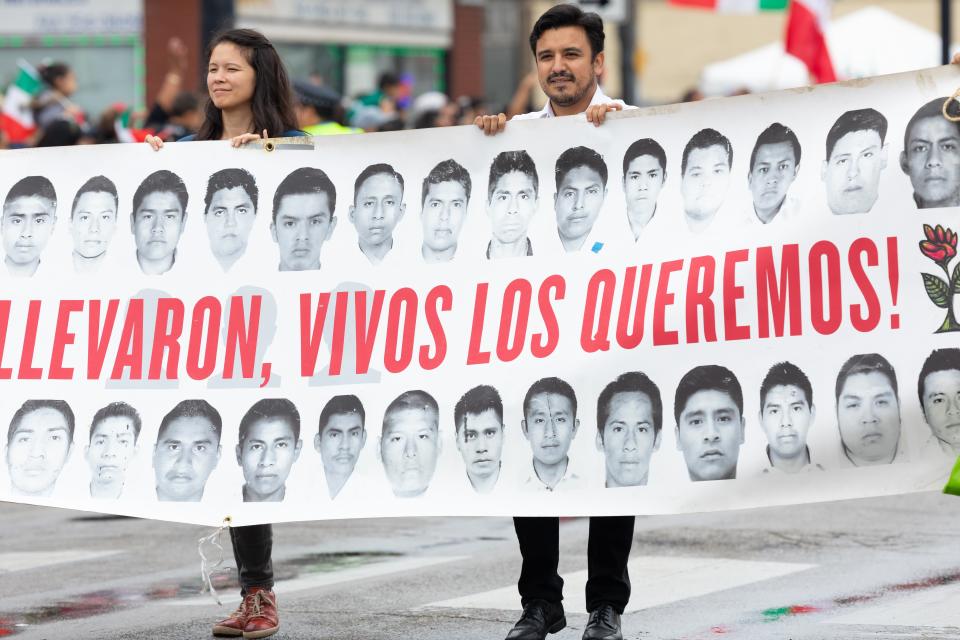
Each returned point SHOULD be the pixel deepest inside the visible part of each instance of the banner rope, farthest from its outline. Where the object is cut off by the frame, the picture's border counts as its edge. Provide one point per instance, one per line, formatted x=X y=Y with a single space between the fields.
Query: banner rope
x=206 y=568
x=946 y=106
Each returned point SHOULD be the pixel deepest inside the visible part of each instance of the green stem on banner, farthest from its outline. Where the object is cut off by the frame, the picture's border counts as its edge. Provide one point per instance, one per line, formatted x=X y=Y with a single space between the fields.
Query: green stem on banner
x=953 y=484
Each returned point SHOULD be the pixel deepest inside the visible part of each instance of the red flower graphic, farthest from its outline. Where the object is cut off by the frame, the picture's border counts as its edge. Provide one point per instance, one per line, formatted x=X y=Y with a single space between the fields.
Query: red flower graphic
x=940 y=245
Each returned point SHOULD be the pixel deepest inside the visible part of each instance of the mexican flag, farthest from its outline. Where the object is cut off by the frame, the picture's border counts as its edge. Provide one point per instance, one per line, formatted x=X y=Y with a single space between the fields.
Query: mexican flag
x=126 y=133
x=17 y=116
x=734 y=6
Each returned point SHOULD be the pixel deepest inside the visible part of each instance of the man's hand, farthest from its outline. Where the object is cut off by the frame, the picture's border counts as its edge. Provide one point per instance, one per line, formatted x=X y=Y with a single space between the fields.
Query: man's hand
x=597 y=113
x=491 y=125
x=956 y=59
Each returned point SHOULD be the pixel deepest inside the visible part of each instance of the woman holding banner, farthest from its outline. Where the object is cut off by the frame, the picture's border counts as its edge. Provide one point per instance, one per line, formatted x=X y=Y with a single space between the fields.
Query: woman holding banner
x=249 y=91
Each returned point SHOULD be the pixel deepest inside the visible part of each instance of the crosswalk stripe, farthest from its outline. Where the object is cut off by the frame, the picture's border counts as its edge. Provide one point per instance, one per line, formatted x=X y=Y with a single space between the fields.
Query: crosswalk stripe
x=24 y=560
x=657 y=580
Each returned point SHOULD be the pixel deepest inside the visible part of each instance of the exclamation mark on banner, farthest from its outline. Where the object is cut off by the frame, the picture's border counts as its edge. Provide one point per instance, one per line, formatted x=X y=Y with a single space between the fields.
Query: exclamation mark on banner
x=893 y=273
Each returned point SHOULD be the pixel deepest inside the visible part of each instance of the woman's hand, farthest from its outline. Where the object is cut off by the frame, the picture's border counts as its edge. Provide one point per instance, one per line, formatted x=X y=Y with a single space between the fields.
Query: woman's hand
x=244 y=138
x=154 y=141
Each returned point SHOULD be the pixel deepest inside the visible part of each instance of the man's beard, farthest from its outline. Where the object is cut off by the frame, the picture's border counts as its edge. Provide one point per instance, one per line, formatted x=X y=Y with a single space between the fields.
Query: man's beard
x=565 y=100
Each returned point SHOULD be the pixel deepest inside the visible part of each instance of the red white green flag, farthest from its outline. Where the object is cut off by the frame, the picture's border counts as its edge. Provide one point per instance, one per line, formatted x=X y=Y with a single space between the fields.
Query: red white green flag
x=17 y=115
x=125 y=132
x=734 y=6
x=806 y=37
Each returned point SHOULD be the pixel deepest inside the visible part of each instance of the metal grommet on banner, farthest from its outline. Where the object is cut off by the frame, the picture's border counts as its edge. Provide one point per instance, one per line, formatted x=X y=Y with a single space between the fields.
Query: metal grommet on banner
x=946 y=106
x=207 y=569
x=270 y=145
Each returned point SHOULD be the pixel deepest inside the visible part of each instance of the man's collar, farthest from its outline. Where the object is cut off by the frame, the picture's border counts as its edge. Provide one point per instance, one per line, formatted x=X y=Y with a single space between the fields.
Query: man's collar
x=599 y=97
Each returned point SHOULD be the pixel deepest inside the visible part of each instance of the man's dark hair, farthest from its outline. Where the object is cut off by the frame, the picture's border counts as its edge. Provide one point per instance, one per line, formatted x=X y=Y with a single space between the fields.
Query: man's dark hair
x=933 y=109
x=271 y=409
x=116 y=410
x=579 y=157
x=708 y=377
x=946 y=359
x=704 y=139
x=630 y=382
x=162 y=181
x=302 y=181
x=644 y=147
x=183 y=103
x=376 y=170
x=446 y=171
x=785 y=374
x=96 y=184
x=229 y=179
x=474 y=402
x=775 y=134
x=415 y=399
x=387 y=79
x=866 y=363
x=570 y=15
x=550 y=385
x=30 y=406
x=192 y=409
x=507 y=161
x=339 y=405
x=857 y=120
x=32 y=186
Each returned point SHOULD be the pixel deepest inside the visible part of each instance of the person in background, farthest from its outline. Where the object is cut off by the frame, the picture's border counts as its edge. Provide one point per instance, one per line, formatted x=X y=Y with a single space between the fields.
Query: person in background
x=54 y=102
x=318 y=110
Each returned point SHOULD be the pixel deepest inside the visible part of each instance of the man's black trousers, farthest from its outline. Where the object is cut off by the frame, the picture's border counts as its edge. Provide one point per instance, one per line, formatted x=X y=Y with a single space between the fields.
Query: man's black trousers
x=252 y=549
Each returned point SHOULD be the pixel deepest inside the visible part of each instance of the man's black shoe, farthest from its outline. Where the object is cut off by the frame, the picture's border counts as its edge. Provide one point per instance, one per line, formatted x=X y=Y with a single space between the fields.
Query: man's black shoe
x=539 y=618
x=604 y=624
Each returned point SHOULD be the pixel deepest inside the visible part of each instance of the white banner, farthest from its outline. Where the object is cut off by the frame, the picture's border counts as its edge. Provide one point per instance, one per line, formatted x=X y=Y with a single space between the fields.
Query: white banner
x=729 y=304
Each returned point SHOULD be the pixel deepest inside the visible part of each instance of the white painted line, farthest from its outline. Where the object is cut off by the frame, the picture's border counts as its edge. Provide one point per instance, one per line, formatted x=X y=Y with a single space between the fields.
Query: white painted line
x=657 y=580
x=24 y=560
x=323 y=579
x=935 y=607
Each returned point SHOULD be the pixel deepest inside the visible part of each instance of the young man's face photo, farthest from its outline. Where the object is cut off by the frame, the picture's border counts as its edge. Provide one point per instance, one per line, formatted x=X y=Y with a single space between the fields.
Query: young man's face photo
x=38 y=450
x=340 y=443
x=26 y=227
x=304 y=222
x=941 y=405
x=511 y=207
x=786 y=417
x=93 y=222
x=629 y=439
x=852 y=172
x=229 y=220
x=643 y=181
x=444 y=211
x=157 y=225
x=377 y=210
x=266 y=456
x=932 y=160
x=771 y=175
x=549 y=426
x=710 y=433
x=868 y=415
x=409 y=449
x=704 y=184
x=113 y=443
x=578 y=202
x=184 y=457
x=480 y=442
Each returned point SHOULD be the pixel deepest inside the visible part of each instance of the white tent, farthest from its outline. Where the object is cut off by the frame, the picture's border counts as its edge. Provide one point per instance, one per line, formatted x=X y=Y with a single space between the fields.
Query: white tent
x=868 y=42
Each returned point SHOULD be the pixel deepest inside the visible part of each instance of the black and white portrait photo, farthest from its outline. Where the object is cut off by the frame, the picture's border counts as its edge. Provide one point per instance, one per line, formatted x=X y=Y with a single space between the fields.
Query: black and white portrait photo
x=939 y=389
x=303 y=218
x=856 y=157
x=39 y=442
x=629 y=421
x=187 y=451
x=445 y=196
x=93 y=220
x=512 y=198
x=410 y=443
x=644 y=173
x=114 y=432
x=478 y=419
x=705 y=177
x=29 y=215
x=708 y=408
x=774 y=164
x=931 y=156
x=268 y=445
x=550 y=424
x=230 y=209
x=377 y=208
x=786 y=414
x=868 y=410
x=339 y=440
x=158 y=219
x=581 y=177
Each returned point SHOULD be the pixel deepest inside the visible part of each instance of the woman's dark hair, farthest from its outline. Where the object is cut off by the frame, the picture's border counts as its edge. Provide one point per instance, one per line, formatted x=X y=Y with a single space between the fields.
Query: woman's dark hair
x=52 y=72
x=272 y=102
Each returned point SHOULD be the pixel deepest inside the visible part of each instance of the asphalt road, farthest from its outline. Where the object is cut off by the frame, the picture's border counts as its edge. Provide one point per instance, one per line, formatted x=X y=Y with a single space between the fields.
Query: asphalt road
x=878 y=568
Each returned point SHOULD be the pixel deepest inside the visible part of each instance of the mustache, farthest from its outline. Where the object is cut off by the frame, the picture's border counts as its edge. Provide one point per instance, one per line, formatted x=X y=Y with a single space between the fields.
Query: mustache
x=566 y=75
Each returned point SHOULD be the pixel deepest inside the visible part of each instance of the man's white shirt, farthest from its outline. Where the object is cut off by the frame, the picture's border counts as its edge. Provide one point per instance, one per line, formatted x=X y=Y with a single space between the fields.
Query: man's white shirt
x=599 y=97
